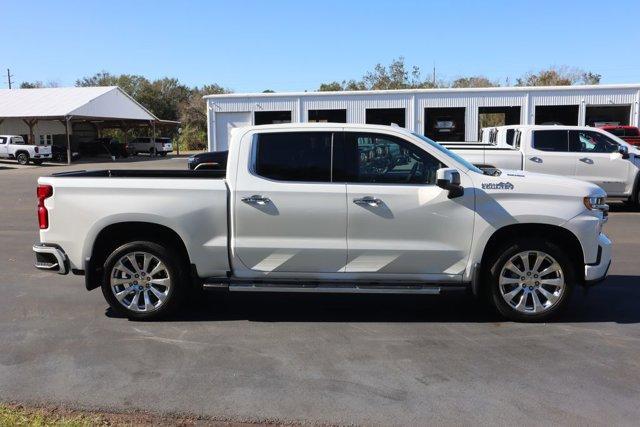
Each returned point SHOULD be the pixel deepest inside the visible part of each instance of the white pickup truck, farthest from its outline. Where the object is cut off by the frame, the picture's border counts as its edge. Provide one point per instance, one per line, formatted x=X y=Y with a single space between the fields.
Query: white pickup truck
x=580 y=152
x=325 y=208
x=15 y=147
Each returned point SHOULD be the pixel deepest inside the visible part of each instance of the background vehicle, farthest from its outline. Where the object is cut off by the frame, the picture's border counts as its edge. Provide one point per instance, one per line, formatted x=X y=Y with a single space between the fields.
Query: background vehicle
x=59 y=153
x=15 y=147
x=580 y=152
x=211 y=160
x=145 y=144
x=325 y=208
x=629 y=134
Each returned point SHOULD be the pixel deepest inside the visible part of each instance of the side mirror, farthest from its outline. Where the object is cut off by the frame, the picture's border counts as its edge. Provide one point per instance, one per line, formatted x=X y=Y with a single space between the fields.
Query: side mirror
x=449 y=179
x=624 y=151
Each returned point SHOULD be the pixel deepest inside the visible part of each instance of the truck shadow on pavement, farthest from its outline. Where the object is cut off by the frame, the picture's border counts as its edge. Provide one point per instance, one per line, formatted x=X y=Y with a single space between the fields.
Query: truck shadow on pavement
x=615 y=300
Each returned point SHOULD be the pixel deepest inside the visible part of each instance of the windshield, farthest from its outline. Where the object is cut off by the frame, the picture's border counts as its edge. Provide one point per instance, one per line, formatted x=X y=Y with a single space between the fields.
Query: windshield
x=449 y=153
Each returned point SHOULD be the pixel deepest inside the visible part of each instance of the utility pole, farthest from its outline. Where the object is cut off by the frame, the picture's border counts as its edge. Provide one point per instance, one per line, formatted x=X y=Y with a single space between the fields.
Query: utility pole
x=9 y=78
x=434 y=73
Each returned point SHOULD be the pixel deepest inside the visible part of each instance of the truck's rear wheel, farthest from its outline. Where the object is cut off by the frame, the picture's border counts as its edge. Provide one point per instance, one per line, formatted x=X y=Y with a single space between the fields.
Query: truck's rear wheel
x=22 y=158
x=531 y=280
x=143 y=280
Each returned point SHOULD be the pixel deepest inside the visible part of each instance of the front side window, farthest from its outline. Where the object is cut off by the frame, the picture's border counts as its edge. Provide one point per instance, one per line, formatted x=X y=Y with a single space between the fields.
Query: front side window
x=3 y=140
x=383 y=159
x=591 y=142
x=551 y=140
x=294 y=156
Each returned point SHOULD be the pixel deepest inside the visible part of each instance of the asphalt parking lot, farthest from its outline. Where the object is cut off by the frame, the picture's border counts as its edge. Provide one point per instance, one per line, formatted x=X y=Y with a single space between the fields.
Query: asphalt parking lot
x=319 y=359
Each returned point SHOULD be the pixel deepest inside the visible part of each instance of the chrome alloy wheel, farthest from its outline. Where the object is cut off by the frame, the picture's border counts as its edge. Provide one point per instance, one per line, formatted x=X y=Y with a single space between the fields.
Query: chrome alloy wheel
x=531 y=282
x=140 y=281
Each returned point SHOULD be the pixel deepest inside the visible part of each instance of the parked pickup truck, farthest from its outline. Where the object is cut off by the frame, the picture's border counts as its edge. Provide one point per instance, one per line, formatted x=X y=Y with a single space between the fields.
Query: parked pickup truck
x=15 y=147
x=580 y=152
x=325 y=208
x=629 y=134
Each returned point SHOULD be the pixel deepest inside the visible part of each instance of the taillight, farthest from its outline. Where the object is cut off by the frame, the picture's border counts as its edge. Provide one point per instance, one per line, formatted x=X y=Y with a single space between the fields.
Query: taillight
x=36 y=149
x=43 y=192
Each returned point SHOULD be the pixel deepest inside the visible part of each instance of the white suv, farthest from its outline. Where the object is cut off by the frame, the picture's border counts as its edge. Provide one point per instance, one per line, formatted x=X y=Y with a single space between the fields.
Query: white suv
x=146 y=144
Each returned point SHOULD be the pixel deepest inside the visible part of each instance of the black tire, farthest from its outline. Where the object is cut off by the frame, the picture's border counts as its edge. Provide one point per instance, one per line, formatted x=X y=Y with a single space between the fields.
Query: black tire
x=22 y=158
x=163 y=154
x=37 y=162
x=505 y=254
x=177 y=272
x=152 y=152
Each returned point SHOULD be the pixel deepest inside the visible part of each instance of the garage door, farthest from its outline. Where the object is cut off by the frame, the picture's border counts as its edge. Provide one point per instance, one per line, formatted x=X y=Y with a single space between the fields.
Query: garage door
x=224 y=123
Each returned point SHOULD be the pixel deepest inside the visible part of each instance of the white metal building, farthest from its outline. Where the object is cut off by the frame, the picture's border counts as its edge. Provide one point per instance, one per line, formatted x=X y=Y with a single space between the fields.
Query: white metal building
x=426 y=110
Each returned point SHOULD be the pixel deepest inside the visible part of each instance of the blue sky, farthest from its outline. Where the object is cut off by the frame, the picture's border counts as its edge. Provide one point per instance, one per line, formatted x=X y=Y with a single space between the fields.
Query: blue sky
x=295 y=45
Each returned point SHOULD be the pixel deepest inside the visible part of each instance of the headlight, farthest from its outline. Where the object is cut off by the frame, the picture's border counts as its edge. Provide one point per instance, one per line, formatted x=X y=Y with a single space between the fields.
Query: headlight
x=595 y=204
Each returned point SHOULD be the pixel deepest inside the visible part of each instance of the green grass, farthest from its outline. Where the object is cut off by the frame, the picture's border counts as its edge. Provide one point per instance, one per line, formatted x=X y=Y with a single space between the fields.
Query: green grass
x=15 y=415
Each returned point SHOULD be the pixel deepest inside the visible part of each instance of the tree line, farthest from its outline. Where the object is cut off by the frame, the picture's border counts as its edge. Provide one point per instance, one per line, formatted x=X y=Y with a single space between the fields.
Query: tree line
x=169 y=99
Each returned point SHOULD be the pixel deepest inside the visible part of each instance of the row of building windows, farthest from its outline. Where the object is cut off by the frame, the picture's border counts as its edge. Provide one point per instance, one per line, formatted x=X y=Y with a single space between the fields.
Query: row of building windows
x=448 y=124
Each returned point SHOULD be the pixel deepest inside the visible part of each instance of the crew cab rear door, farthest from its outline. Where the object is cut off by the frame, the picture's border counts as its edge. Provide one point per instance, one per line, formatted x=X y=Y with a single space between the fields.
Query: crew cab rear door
x=547 y=151
x=288 y=215
x=399 y=222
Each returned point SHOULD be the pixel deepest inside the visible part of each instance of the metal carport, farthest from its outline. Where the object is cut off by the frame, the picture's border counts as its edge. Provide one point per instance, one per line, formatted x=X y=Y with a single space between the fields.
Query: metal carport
x=104 y=107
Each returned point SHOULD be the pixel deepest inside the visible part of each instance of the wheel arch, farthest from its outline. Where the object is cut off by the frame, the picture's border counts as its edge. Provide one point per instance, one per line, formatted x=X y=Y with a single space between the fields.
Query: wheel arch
x=18 y=152
x=116 y=234
x=553 y=233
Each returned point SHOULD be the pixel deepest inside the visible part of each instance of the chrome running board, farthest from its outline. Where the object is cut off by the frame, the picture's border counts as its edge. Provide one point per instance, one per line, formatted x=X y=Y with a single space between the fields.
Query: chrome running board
x=334 y=288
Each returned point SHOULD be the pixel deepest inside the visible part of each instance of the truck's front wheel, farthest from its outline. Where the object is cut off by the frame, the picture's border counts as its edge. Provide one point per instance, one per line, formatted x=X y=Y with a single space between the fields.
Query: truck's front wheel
x=531 y=280
x=143 y=280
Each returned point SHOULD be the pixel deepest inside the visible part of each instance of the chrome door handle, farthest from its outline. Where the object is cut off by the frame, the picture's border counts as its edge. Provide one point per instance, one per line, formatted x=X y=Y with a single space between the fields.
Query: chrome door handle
x=256 y=199
x=536 y=159
x=586 y=160
x=368 y=200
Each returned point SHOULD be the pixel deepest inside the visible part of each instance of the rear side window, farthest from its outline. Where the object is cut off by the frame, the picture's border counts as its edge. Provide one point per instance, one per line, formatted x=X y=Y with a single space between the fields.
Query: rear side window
x=551 y=140
x=294 y=156
x=510 y=136
x=3 y=140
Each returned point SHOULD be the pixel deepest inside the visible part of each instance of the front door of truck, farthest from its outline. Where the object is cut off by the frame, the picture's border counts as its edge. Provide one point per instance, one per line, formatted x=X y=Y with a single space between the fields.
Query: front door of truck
x=399 y=222
x=548 y=152
x=289 y=217
x=599 y=161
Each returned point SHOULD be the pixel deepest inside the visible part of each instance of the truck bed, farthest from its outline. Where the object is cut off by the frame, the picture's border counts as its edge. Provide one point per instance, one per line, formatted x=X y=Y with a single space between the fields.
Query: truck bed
x=193 y=204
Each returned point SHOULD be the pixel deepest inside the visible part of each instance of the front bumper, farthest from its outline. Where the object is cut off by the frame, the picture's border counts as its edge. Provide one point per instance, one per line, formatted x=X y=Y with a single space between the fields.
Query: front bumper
x=50 y=258
x=597 y=272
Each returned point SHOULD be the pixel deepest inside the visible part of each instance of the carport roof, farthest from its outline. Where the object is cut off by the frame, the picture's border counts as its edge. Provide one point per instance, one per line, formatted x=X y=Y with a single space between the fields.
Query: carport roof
x=101 y=102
